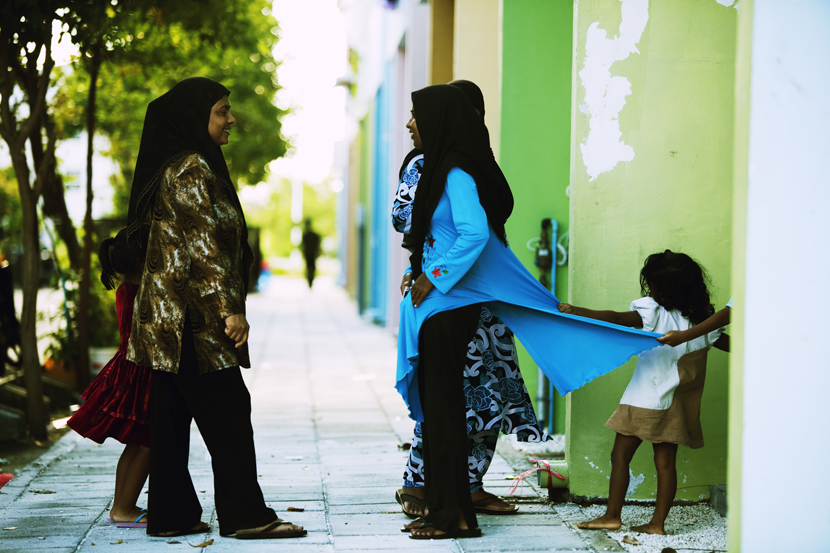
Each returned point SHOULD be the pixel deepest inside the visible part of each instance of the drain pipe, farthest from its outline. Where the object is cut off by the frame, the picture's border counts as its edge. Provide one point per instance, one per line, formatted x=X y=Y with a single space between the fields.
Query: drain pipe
x=546 y=261
x=547 y=251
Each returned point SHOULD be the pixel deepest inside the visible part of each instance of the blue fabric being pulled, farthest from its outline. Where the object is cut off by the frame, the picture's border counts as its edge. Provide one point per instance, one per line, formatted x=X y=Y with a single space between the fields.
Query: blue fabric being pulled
x=570 y=350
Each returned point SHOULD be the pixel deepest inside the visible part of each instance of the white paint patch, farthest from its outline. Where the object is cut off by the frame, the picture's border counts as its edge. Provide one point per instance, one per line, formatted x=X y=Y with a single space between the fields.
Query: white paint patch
x=605 y=94
x=728 y=3
x=633 y=482
x=592 y=465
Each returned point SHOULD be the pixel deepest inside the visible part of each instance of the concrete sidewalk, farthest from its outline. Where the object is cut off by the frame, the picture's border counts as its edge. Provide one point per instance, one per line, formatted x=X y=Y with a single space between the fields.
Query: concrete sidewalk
x=328 y=426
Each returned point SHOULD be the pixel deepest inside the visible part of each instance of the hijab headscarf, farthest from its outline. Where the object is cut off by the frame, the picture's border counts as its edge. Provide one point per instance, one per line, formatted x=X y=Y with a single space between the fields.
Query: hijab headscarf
x=472 y=92
x=176 y=126
x=454 y=135
x=410 y=172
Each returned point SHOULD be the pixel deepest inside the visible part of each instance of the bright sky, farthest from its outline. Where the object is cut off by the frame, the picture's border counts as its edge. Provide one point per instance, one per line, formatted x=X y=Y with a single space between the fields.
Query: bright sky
x=313 y=52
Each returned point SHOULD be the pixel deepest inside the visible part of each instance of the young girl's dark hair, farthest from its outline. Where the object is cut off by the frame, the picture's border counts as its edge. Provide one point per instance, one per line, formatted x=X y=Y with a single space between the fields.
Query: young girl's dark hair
x=676 y=281
x=119 y=260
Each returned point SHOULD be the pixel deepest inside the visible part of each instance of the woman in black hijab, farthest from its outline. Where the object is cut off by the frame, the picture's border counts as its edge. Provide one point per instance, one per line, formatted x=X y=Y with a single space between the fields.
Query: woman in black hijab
x=495 y=392
x=190 y=323
x=461 y=196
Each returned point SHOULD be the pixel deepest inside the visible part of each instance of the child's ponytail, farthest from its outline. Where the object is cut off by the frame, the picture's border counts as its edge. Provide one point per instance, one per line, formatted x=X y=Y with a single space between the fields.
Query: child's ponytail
x=119 y=260
x=108 y=274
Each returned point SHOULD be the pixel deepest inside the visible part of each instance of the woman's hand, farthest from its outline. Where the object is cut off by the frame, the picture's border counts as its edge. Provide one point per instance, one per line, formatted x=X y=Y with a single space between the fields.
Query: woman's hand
x=237 y=327
x=566 y=308
x=406 y=283
x=420 y=289
x=673 y=338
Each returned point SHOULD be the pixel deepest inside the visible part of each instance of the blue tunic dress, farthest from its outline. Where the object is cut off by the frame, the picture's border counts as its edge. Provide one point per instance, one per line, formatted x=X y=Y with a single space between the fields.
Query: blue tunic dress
x=467 y=264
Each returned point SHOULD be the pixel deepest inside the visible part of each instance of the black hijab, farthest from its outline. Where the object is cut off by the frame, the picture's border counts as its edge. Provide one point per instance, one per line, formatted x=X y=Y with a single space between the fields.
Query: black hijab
x=476 y=98
x=454 y=135
x=472 y=92
x=175 y=126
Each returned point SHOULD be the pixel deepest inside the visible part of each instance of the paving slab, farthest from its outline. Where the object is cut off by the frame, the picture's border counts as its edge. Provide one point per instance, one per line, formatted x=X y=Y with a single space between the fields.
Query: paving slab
x=329 y=430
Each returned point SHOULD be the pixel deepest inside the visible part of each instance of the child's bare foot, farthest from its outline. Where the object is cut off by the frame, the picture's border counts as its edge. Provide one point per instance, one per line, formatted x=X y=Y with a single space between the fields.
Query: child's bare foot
x=605 y=522
x=650 y=528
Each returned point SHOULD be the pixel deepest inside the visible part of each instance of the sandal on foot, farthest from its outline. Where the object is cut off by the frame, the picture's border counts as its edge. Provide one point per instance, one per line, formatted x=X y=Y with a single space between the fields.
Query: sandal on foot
x=481 y=506
x=419 y=520
x=135 y=524
x=402 y=498
x=268 y=533
x=457 y=534
x=200 y=528
x=109 y=520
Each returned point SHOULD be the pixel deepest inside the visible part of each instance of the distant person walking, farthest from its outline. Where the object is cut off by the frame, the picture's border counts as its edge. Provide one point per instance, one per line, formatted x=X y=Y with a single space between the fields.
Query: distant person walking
x=311 y=250
x=191 y=325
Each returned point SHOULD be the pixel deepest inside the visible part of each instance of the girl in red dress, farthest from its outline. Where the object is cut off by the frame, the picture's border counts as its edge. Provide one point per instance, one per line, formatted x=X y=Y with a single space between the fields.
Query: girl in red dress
x=117 y=402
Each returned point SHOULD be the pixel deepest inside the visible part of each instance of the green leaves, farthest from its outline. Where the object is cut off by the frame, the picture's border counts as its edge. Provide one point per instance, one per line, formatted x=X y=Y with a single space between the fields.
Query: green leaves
x=152 y=45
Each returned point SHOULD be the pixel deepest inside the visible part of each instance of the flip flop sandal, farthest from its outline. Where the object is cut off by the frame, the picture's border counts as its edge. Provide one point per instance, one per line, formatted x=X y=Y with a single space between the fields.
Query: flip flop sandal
x=402 y=498
x=421 y=520
x=458 y=534
x=266 y=533
x=200 y=528
x=134 y=524
x=109 y=520
x=480 y=507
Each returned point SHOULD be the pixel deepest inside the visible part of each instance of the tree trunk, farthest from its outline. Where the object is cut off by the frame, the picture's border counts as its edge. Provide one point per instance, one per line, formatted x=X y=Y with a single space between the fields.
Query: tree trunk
x=54 y=207
x=86 y=255
x=35 y=408
x=54 y=199
x=16 y=135
x=54 y=203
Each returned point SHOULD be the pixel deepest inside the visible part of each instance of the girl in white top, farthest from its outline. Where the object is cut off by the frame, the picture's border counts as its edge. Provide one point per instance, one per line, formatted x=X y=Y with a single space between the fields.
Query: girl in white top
x=661 y=404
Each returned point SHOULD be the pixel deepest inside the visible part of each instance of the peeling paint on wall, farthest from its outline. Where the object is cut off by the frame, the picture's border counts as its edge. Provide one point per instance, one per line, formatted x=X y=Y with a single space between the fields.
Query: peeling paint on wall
x=605 y=94
x=593 y=466
x=728 y=3
x=633 y=482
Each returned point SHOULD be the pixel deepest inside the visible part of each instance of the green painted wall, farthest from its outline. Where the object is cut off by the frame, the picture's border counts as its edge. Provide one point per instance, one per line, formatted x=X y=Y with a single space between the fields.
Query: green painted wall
x=676 y=193
x=537 y=45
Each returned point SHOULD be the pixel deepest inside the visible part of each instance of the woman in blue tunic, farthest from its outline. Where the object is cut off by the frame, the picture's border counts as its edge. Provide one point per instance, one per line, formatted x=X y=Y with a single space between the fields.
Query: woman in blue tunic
x=450 y=220
x=496 y=398
x=459 y=212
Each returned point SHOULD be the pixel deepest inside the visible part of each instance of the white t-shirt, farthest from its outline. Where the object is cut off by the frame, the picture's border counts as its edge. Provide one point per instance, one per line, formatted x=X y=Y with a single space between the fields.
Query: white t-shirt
x=656 y=376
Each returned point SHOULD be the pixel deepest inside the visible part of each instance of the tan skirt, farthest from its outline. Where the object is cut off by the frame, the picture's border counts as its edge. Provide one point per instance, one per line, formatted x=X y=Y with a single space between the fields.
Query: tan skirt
x=680 y=423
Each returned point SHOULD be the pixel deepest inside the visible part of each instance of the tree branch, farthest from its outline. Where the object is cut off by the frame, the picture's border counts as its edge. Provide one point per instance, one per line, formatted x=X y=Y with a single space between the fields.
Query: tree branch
x=47 y=160
x=39 y=105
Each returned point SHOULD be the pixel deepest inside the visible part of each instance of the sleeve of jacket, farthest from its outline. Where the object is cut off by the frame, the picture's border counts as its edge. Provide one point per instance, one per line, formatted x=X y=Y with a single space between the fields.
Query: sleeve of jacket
x=214 y=268
x=470 y=221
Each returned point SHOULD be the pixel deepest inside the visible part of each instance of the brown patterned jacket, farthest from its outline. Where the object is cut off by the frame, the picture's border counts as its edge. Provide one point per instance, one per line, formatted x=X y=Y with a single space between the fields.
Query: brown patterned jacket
x=194 y=263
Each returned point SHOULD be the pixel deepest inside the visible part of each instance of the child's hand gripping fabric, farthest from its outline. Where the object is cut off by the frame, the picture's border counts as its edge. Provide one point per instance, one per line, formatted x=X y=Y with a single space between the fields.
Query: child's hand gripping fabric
x=720 y=319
